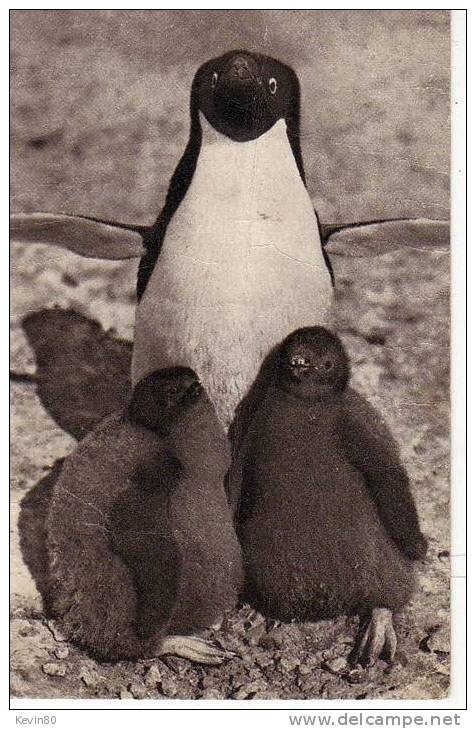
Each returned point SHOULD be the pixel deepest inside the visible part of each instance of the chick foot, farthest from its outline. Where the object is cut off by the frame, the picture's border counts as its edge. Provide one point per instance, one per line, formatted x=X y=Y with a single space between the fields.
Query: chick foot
x=194 y=649
x=379 y=639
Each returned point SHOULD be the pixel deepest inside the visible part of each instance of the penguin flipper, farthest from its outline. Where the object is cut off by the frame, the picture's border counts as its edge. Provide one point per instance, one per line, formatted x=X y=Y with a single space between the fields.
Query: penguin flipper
x=142 y=537
x=233 y=484
x=372 y=449
x=159 y=473
x=375 y=238
x=84 y=236
x=157 y=580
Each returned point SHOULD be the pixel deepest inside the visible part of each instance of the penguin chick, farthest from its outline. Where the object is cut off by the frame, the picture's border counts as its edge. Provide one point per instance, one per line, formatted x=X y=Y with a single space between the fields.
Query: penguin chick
x=326 y=519
x=142 y=551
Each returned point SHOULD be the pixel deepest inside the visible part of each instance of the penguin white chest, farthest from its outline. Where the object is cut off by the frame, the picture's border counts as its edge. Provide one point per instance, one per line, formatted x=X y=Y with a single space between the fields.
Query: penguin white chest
x=241 y=267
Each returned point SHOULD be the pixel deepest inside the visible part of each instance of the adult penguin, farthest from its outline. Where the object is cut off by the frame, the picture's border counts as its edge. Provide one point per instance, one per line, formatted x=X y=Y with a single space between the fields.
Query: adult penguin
x=235 y=259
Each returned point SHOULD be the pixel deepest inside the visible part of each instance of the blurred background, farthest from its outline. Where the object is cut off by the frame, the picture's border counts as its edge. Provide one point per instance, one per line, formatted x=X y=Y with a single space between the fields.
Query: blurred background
x=100 y=105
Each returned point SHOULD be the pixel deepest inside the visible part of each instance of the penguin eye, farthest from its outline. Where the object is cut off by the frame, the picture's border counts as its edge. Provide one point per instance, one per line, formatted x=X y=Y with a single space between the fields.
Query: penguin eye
x=328 y=364
x=214 y=79
x=273 y=85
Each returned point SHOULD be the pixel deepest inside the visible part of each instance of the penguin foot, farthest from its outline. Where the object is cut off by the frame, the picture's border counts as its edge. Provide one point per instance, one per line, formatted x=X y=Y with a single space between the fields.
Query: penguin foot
x=217 y=626
x=379 y=639
x=256 y=626
x=194 y=649
x=254 y=619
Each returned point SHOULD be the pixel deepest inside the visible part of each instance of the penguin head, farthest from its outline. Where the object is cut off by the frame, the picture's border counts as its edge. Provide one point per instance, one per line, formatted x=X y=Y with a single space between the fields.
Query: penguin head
x=243 y=94
x=313 y=364
x=160 y=400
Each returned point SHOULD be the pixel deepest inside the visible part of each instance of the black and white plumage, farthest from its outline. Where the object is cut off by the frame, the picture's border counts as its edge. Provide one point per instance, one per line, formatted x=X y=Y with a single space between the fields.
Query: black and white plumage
x=236 y=261
x=236 y=258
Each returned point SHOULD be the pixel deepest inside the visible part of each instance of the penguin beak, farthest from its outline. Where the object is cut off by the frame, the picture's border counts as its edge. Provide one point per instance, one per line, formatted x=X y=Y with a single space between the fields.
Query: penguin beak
x=194 y=391
x=238 y=89
x=298 y=365
x=242 y=69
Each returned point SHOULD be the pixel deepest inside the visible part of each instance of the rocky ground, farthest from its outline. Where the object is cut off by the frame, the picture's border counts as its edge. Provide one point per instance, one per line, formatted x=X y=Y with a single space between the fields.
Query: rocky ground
x=393 y=314
x=99 y=119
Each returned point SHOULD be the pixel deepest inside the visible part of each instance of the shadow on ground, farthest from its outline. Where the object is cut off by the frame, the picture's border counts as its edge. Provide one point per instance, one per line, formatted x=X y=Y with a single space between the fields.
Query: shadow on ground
x=82 y=375
x=82 y=371
x=97 y=129
x=393 y=317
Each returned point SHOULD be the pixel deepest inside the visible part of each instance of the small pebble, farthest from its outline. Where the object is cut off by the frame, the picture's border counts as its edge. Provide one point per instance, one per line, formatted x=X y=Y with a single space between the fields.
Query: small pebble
x=54 y=669
x=17 y=612
x=256 y=633
x=168 y=686
x=16 y=686
x=247 y=660
x=88 y=677
x=61 y=652
x=57 y=634
x=177 y=665
x=153 y=676
x=288 y=664
x=305 y=669
x=268 y=642
x=356 y=675
x=401 y=659
x=27 y=629
x=268 y=694
x=428 y=585
x=264 y=660
x=208 y=681
x=440 y=641
x=249 y=688
x=212 y=693
x=125 y=694
x=337 y=665
x=138 y=691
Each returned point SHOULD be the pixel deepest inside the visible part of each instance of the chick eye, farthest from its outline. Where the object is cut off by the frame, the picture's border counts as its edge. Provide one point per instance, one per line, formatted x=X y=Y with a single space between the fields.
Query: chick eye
x=214 y=79
x=273 y=85
x=328 y=364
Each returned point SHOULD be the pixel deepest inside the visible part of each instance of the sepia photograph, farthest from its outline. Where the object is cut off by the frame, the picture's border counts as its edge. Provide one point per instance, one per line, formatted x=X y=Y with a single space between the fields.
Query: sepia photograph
x=230 y=355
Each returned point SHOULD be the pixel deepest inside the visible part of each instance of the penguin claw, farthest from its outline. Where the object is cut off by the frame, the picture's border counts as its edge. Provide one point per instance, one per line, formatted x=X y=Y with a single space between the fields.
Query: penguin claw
x=378 y=639
x=254 y=619
x=195 y=649
x=217 y=626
